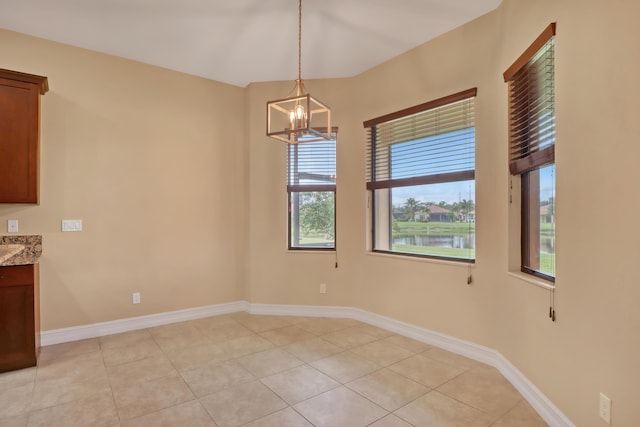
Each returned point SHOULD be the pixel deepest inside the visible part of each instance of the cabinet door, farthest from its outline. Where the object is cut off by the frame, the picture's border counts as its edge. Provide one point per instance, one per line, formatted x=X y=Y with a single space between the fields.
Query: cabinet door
x=19 y=134
x=17 y=326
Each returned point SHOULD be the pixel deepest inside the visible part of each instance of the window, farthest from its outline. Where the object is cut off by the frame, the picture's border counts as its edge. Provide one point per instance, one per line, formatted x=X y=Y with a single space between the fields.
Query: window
x=421 y=177
x=312 y=195
x=532 y=140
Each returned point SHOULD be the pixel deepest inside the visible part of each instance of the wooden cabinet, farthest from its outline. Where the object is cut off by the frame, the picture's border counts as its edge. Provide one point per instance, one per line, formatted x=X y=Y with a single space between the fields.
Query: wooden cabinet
x=19 y=316
x=20 y=135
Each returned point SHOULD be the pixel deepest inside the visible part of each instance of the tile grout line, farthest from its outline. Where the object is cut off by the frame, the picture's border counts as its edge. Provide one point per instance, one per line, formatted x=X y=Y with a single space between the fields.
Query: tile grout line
x=250 y=326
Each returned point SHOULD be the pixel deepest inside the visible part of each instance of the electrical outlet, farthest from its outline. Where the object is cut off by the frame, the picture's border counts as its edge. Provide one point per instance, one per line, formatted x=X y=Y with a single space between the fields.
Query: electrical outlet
x=12 y=226
x=323 y=288
x=136 y=297
x=605 y=408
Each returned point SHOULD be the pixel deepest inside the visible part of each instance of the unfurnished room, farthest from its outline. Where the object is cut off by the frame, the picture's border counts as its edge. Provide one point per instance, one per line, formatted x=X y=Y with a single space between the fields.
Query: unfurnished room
x=319 y=213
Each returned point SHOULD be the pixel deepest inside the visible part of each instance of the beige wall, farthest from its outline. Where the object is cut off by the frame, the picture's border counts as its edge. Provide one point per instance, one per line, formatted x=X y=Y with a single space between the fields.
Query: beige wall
x=593 y=345
x=152 y=161
x=276 y=275
x=186 y=202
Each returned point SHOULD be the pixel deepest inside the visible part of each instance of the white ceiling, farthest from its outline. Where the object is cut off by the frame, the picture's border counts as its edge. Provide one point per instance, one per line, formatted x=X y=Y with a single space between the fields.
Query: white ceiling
x=244 y=41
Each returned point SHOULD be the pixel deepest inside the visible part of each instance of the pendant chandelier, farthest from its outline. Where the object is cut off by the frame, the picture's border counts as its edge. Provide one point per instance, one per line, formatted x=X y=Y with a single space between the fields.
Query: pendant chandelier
x=299 y=117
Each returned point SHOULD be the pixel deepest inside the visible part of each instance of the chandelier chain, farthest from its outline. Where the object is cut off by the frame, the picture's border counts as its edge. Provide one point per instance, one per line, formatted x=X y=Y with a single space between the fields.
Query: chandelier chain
x=300 y=40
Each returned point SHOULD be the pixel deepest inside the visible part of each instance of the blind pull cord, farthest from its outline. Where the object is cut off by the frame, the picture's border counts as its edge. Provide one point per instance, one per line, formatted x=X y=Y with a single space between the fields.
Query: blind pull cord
x=469 y=276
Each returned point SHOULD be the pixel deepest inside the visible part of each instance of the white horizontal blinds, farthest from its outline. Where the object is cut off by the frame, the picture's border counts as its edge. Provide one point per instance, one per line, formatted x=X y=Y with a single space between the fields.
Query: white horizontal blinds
x=312 y=166
x=531 y=108
x=431 y=143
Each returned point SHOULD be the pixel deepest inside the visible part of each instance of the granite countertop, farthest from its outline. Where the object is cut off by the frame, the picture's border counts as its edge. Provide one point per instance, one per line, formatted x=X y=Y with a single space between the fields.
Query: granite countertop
x=20 y=250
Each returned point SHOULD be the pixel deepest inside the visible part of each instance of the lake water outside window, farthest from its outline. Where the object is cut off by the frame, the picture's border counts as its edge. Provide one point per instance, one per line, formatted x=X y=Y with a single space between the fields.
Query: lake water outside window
x=421 y=174
x=437 y=219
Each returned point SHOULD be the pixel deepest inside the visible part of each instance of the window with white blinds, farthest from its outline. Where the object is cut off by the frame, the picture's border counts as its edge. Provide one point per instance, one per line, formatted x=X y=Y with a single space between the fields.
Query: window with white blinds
x=312 y=166
x=428 y=143
x=421 y=174
x=311 y=185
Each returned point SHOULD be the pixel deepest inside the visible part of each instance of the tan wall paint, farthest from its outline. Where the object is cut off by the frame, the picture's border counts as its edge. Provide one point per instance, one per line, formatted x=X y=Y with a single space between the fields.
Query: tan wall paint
x=592 y=347
x=277 y=275
x=152 y=161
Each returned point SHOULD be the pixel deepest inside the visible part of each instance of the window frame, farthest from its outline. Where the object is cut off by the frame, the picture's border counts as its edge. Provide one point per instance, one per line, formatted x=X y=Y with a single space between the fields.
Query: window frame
x=293 y=189
x=533 y=154
x=526 y=239
x=373 y=184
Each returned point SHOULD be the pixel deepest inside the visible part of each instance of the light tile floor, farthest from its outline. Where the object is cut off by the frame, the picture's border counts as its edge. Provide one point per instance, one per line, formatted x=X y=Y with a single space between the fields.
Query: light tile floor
x=259 y=371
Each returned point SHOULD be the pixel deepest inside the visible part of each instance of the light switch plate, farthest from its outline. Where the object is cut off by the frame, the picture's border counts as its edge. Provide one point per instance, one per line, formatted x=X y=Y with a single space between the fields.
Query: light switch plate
x=12 y=226
x=71 y=225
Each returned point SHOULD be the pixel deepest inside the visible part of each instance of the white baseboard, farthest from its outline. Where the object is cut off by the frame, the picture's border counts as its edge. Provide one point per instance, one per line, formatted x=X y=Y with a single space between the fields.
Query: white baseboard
x=75 y=333
x=545 y=408
x=541 y=403
x=301 y=310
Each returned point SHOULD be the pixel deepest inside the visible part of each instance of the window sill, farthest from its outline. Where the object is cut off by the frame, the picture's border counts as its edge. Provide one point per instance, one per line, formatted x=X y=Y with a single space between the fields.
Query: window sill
x=422 y=259
x=312 y=251
x=541 y=283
